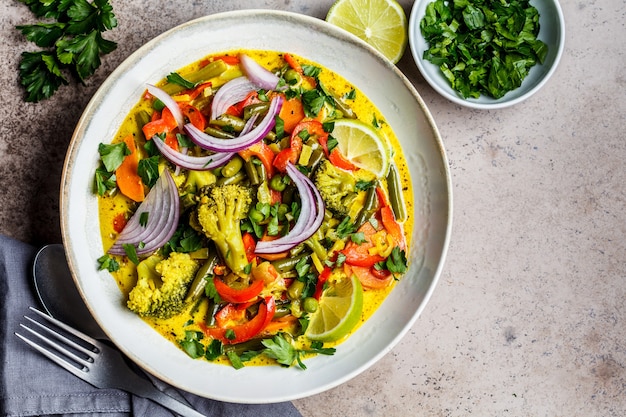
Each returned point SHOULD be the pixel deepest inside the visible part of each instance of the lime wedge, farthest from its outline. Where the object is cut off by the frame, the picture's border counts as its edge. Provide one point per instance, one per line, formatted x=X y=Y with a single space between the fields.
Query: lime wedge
x=362 y=145
x=340 y=308
x=381 y=23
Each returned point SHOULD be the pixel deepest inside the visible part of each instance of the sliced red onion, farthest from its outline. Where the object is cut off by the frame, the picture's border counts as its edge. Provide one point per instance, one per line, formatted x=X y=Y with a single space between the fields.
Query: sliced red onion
x=241 y=142
x=195 y=163
x=162 y=206
x=169 y=102
x=231 y=93
x=257 y=74
x=309 y=220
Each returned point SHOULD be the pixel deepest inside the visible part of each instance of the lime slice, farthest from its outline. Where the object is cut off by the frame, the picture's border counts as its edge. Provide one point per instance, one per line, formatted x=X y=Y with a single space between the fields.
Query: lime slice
x=362 y=145
x=381 y=23
x=339 y=311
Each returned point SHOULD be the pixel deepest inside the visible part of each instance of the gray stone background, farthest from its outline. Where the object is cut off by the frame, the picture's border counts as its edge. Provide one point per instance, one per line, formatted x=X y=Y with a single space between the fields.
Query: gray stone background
x=528 y=318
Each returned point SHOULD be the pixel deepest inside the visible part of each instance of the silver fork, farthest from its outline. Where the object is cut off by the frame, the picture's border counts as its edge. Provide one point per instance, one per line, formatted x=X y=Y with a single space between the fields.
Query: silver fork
x=95 y=362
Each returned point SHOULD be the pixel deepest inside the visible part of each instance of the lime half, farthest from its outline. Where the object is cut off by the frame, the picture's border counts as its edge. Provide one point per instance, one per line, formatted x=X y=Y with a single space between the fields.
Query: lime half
x=340 y=308
x=381 y=23
x=362 y=145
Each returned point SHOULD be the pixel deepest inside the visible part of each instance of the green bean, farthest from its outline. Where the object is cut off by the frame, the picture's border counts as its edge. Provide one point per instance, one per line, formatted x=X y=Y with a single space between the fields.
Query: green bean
x=316 y=157
x=368 y=209
x=282 y=310
x=250 y=345
x=295 y=290
x=211 y=311
x=197 y=286
x=257 y=108
x=396 y=200
x=236 y=123
x=209 y=130
x=228 y=120
x=205 y=73
x=232 y=167
x=288 y=264
x=235 y=179
x=253 y=174
x=277 y=183
x=141 y=118
x=261 y=172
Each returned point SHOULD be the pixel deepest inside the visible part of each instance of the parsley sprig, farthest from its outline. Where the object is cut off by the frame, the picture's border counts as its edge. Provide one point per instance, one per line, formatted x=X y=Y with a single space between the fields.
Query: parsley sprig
x=72 y=42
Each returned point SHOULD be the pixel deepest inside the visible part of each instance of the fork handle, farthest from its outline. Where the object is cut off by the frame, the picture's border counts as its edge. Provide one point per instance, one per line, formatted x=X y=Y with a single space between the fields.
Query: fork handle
x=147 y=390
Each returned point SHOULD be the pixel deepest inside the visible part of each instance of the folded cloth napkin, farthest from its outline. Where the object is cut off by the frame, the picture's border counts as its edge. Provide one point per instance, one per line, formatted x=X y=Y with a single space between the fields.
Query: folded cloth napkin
x=32 y=385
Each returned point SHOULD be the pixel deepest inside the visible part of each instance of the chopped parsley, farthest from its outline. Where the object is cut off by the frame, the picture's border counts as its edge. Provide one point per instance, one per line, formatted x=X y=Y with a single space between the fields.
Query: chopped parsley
x=482 y=46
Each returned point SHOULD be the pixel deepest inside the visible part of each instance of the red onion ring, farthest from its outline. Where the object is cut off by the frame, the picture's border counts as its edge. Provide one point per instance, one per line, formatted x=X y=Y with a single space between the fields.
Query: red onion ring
x=309 y=220
x=169 y=102
x=195 y=163
x=241 y=142
x=231 y=93
x=162 y=205
x=260 y=76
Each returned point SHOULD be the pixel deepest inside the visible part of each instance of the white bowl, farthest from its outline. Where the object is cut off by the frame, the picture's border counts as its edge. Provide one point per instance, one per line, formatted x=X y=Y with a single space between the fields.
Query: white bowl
x=551 y=31
x=401 y=106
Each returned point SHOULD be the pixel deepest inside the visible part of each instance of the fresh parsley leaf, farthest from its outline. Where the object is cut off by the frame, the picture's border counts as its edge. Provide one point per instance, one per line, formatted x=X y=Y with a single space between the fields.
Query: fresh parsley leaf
x=313 y=101
x=108 y=263
x=113 y=155
x=210 y=291
x=192 y=345
x=148 y=170
x=331 y=143
x=362 y=185
x=350 y=95
x=131 y=252
x=345 y=228
x=143 y=218
x=104 y=181
x=73 y=43
x=311 y=71
x=396 y=262
x=176 y=78
x=214 y=350
x=235 y=360
x=40 y=74
x=358 y=237
x=280 y=349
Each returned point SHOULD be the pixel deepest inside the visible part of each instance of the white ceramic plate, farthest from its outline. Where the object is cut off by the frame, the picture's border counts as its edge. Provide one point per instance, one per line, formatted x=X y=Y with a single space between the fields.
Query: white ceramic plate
x=335 y=49
x=551 y=31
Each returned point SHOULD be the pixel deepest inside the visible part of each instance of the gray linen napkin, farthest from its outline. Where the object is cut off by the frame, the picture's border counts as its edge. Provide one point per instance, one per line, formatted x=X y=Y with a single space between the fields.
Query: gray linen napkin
x=31 y=385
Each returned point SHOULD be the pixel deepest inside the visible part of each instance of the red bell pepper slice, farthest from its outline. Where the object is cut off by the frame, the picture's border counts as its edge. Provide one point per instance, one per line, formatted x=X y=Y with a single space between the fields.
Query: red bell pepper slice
x=194 y=115
x=358 y=254
x=392 y=226
x=233 y=295
x=250 y=245
x=335 y=157
x=321 y=280
x=247 y=330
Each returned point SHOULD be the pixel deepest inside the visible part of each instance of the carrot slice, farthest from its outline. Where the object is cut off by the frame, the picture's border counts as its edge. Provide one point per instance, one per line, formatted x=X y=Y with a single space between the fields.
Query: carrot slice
x=292 y=112
x=128 y=180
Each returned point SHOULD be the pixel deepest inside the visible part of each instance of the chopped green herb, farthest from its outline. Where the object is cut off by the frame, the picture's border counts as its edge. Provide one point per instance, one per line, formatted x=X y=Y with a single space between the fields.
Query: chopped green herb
x=483 y=47
x=131 y=252
x=108 y=263
x=113 y=155
x=143 y=218
x=176 y=78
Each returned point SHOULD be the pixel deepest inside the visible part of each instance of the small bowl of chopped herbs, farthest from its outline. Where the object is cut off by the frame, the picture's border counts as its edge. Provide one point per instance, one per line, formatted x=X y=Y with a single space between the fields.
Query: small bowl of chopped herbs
x=486 y=54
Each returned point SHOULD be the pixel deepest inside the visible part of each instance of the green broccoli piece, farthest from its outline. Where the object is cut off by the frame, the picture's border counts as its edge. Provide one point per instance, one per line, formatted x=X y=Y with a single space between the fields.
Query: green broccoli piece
x=193 y=185
x=162 y=285
x=219 y=214
x=337 y=188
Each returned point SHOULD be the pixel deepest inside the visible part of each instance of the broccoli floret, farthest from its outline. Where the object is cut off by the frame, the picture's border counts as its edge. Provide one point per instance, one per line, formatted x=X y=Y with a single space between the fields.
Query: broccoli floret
x=194 y=183
x=162 y=285
x=337 y=188
x=220 y=211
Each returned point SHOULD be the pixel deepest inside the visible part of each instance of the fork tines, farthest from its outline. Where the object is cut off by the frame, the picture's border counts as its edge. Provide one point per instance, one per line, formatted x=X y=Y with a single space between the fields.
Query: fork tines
x=75 y=357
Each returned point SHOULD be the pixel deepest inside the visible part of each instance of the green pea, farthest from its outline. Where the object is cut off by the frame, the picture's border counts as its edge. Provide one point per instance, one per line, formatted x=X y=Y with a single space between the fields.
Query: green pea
x=277 y=183
x=310 y=305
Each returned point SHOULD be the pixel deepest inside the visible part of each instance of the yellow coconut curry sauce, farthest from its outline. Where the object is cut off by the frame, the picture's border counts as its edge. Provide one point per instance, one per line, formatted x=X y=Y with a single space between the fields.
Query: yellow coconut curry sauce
x=374 y=249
